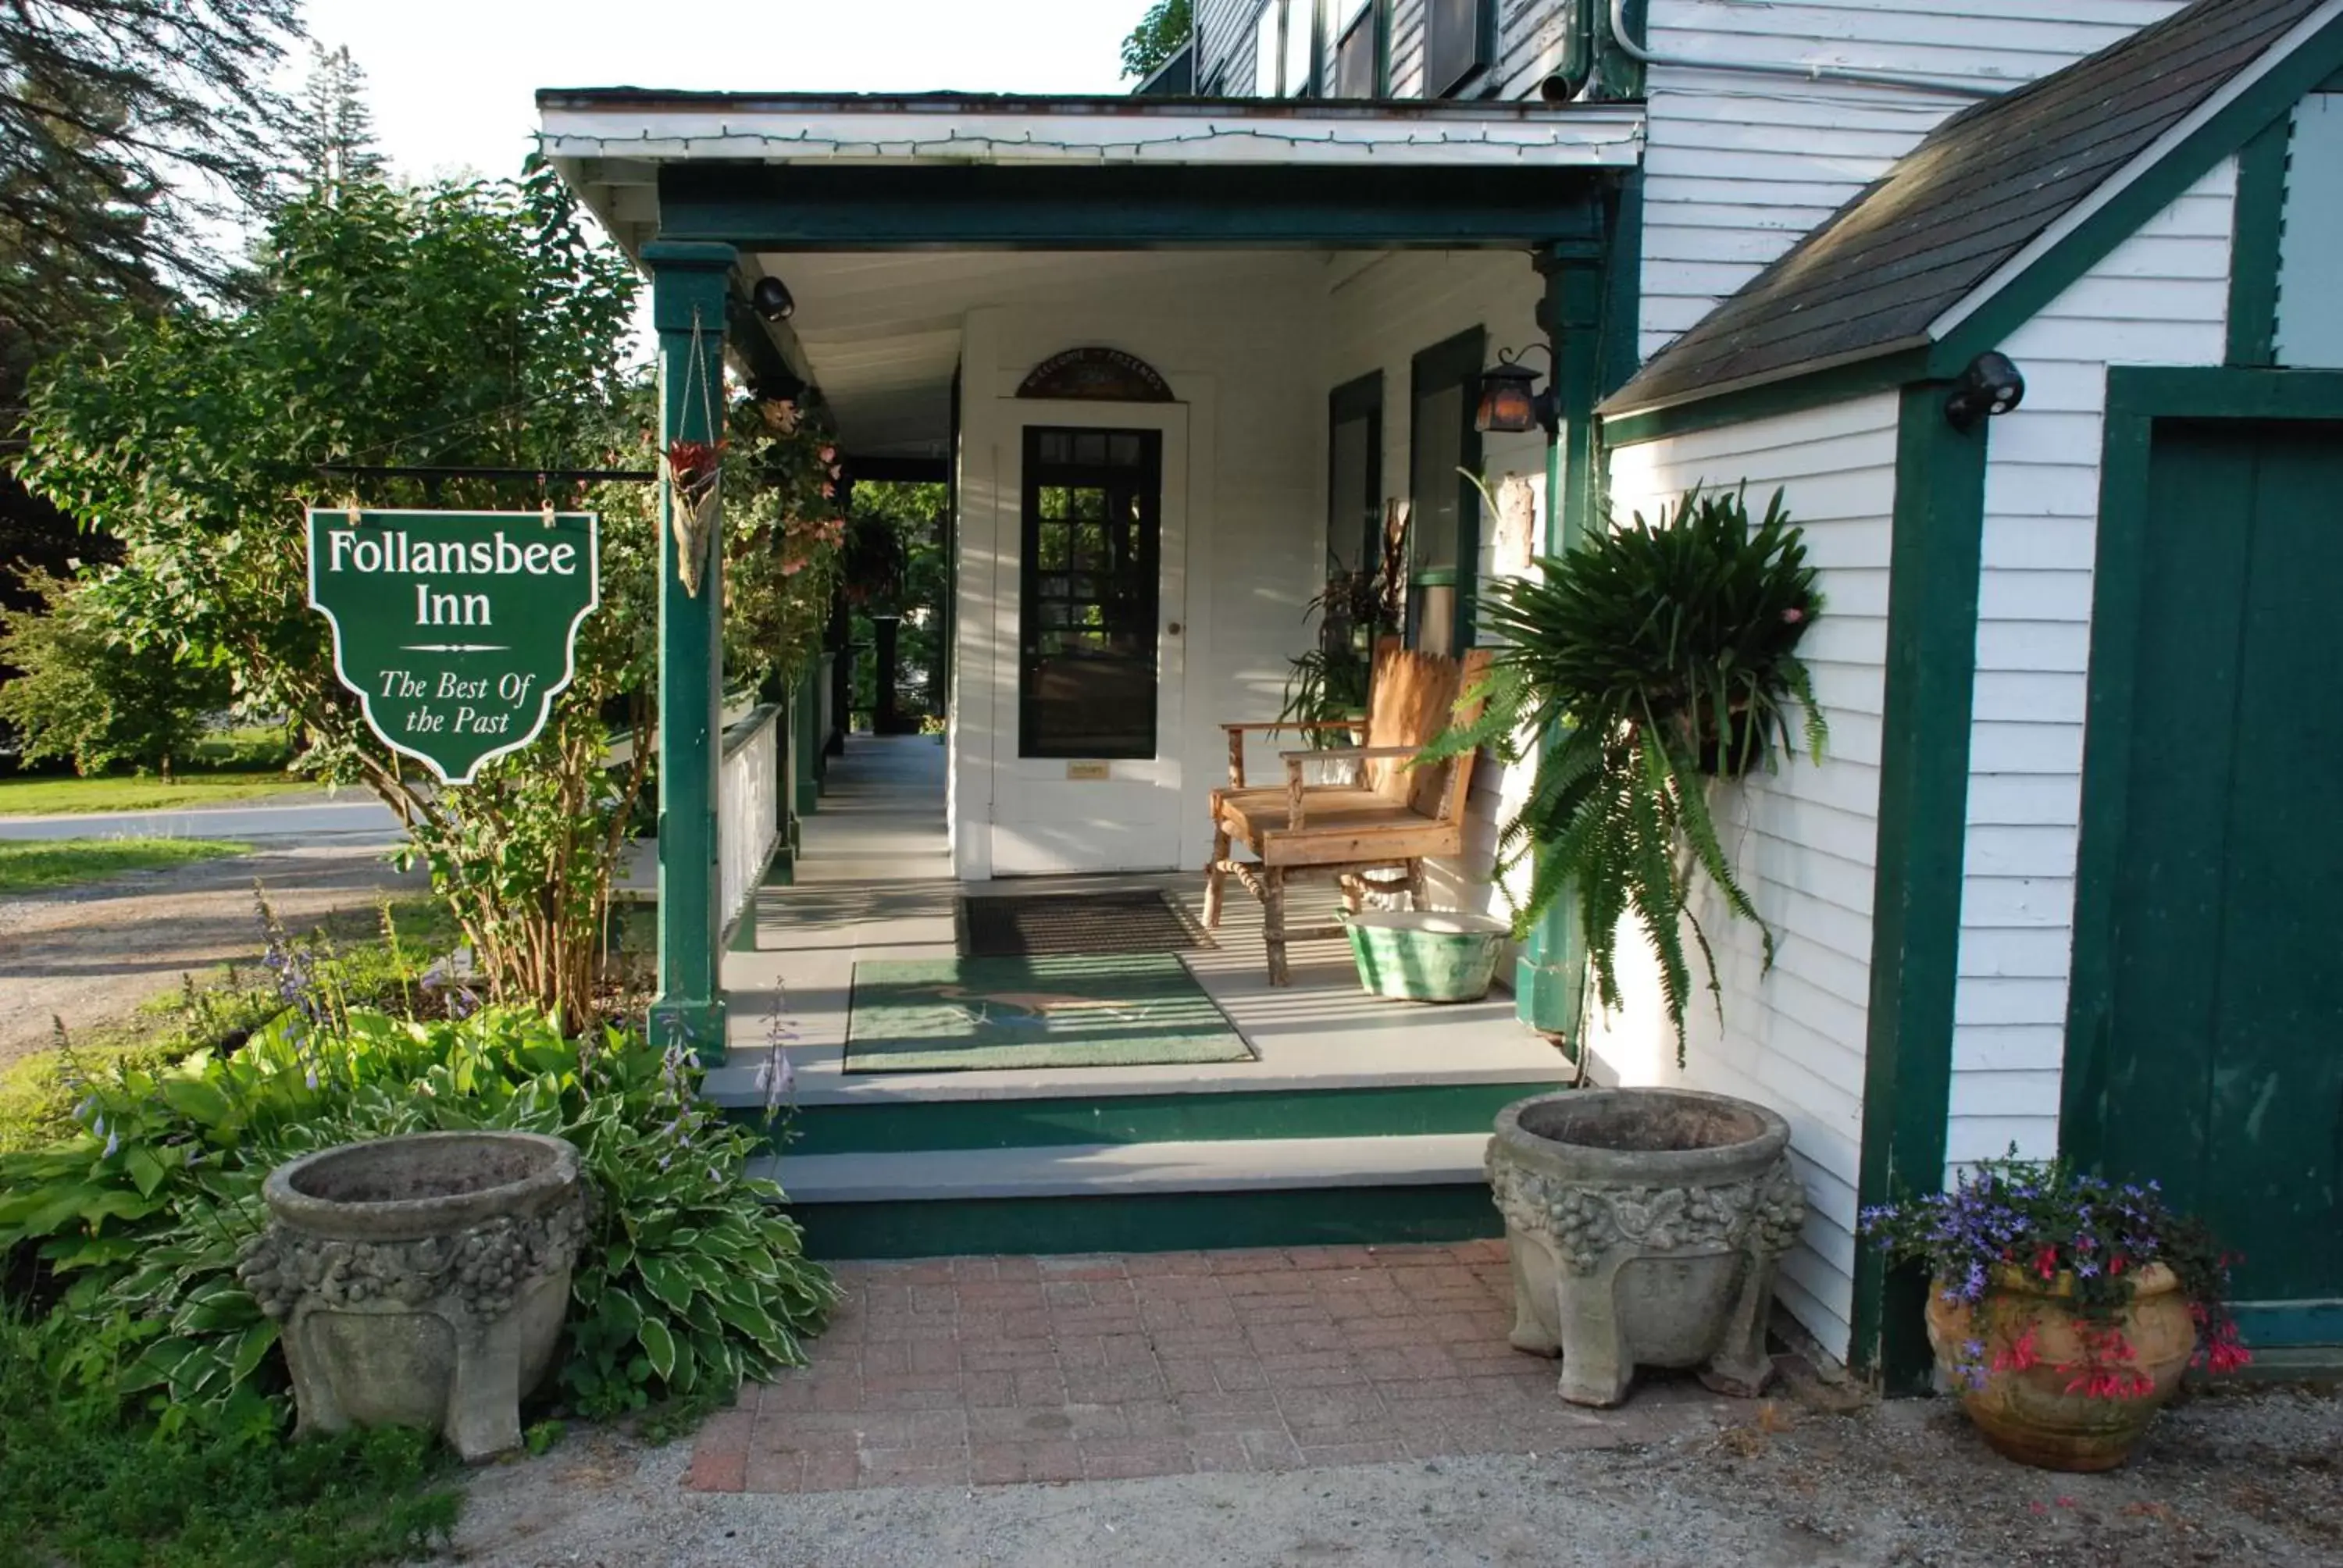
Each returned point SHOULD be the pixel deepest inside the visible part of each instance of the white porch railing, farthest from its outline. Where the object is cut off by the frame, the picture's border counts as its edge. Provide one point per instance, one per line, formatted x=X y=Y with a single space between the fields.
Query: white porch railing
x=748 y=810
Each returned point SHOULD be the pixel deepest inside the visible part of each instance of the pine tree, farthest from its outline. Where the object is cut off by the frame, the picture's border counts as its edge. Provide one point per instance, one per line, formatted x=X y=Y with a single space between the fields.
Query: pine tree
x=335 y=142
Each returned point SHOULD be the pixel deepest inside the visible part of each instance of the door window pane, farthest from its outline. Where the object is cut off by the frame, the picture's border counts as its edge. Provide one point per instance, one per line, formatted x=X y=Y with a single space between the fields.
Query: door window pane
x=1087 y=684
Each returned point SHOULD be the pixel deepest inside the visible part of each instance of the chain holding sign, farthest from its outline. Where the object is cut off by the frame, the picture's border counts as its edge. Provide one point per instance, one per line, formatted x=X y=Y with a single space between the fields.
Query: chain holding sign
x=456 y=629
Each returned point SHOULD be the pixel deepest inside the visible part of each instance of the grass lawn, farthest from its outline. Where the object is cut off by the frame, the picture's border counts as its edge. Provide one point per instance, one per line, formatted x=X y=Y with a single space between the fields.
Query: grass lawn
x=59 y=796
x=28 y=865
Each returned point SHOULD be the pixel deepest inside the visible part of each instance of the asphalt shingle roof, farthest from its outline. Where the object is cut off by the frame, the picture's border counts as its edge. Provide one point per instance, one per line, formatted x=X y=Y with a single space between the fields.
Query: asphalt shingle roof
x=1978 y=190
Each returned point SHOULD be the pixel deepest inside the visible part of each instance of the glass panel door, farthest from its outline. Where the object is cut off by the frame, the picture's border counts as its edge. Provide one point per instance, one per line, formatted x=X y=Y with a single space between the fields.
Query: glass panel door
x=1091 y=556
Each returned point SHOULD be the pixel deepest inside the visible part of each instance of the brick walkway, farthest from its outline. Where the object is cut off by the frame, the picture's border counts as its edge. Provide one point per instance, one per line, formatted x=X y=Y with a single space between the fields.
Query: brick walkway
x=980 y=1370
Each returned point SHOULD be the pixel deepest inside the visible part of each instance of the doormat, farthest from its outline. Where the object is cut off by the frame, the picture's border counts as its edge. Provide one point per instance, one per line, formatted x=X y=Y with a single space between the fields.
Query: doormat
x=1136 y=921
x=1068 y=1010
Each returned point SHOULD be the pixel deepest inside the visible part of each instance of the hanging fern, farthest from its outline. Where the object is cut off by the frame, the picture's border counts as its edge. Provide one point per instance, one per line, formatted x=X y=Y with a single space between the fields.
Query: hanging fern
x=1659 y=657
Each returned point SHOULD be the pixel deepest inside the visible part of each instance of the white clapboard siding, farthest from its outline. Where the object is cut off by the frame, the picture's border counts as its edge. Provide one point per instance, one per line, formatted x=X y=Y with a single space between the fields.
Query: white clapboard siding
x=1804 y=839
x=1740 y=166
x=1382 y=315
x=2161 y=298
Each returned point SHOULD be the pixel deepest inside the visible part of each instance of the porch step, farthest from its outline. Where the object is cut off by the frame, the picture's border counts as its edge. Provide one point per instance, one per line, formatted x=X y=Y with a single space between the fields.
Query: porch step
x=1140 y=1197
x=1373 y=1111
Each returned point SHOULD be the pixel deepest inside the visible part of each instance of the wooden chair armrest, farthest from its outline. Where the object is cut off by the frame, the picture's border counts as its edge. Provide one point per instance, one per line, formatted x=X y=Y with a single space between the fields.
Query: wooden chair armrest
x=1300 y=724
x=1349 y=754
x=1236 y=733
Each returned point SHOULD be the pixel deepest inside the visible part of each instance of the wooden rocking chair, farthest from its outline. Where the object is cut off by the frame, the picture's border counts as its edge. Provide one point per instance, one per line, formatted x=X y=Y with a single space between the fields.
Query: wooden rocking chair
x=1391 y=817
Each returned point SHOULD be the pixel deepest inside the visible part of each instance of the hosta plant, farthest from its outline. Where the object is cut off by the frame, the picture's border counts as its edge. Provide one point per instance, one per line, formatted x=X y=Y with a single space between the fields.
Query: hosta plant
x=693 y=1280
x=1646 y=663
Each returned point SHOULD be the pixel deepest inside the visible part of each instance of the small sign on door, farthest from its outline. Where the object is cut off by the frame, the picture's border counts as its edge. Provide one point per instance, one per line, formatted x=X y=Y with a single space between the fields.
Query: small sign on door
x=1089 y=770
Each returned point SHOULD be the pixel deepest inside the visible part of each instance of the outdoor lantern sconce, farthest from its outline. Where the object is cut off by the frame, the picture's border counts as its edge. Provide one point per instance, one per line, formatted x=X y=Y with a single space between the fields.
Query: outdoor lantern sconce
x=772 y=299
x=1511 y=403
x=1990 y=385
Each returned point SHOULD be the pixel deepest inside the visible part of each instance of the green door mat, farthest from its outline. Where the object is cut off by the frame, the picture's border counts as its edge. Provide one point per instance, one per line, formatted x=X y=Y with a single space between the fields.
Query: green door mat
x=1086 y=1010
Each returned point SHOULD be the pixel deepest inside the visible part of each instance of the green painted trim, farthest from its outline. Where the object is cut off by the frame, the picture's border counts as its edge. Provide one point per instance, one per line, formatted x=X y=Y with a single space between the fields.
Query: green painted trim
x=689 y=287
x=1577 y=312
x=2136 y=398
x=1796 y=395
x=816 y=208
x=1618 y=76
x=2224 y=394
x=1453 y=362
x=2294 y=1324
x=1932 y=617
x=2237 y=123
x=2259 y=219
x=811 y=753
x=1155 y=1222
x=1382 y=48
x=1622 y=298
x=902 y=1126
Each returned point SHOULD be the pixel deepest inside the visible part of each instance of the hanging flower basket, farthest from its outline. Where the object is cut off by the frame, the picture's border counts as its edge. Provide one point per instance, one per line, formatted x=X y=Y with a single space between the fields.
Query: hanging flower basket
x=694 y=474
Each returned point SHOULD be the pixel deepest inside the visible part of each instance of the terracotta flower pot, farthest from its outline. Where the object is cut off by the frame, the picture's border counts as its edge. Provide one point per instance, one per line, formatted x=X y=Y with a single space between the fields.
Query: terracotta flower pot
x=2029 y=1397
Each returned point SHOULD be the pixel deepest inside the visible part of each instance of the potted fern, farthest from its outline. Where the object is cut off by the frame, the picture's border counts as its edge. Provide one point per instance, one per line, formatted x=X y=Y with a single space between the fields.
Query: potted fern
x=1663 y=657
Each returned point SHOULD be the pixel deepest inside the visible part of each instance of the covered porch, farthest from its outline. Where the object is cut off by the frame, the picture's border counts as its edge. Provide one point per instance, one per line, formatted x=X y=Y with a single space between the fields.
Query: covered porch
x=1350 y=1119
x=1242 y=334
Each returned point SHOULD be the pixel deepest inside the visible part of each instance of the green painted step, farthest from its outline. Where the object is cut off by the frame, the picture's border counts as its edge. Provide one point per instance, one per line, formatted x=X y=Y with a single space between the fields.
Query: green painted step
x=1149 y=1222
x=891 y=1126
x=1153 y=1197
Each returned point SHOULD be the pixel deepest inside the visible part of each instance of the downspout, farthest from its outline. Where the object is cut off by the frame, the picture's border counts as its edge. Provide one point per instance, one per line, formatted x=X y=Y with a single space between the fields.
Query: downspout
x=1642 y=57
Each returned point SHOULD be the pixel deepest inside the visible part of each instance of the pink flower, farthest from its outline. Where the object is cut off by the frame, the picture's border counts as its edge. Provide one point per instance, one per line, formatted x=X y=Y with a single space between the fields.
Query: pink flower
x=1794 y=615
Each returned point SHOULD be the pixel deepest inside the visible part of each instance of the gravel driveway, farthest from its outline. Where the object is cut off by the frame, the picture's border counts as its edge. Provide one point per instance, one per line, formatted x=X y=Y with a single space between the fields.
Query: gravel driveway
x=91 y=954
x=2248 y=1476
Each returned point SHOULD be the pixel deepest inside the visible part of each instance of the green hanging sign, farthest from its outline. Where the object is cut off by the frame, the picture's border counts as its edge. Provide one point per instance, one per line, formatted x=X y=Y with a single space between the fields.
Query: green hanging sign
x=456 y=629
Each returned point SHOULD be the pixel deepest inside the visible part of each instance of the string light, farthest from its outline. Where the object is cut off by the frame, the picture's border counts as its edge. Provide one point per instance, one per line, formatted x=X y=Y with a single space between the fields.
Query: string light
x=957 y=146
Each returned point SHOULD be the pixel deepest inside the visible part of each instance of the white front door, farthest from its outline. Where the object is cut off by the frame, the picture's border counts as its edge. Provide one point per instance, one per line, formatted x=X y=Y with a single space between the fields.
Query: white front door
x=1088 y=604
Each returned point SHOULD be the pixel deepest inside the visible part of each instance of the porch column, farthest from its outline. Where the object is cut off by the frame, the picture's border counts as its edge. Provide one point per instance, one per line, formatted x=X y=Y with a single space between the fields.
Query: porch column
x=1550 y=979
x=690 y=285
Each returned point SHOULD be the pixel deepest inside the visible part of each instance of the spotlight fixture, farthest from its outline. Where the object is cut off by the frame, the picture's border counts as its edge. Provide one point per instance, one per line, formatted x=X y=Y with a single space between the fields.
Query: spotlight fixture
x=1510 y=400
x=772 y=300
x=1990 y=385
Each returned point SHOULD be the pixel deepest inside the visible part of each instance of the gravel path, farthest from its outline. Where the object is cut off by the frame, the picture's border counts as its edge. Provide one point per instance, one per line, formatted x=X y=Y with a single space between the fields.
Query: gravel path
x=91 y=954
x=2248 y=1476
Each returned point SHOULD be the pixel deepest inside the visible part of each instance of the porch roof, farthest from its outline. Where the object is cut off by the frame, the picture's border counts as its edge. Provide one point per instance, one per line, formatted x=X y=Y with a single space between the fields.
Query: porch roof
x=633 y=154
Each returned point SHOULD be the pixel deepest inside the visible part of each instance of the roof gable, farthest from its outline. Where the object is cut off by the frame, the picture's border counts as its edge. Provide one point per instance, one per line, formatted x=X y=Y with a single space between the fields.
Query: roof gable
x=1942 y=227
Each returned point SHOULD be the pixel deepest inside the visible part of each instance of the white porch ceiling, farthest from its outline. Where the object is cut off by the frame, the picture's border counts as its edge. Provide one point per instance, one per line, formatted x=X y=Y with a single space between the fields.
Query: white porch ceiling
x=882 y=331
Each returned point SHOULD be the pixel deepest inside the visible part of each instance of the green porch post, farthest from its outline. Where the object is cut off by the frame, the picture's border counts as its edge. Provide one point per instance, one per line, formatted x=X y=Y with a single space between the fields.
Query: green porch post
x=1550 y=978
x=689 y=286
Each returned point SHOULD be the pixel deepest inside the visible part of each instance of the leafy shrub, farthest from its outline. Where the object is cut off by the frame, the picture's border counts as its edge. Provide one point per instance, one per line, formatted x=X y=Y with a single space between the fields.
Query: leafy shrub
x=693 y=1280
x=1663 y=657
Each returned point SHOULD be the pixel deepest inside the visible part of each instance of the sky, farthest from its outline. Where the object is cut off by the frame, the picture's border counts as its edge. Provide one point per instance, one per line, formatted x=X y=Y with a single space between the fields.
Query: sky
x=452 y=82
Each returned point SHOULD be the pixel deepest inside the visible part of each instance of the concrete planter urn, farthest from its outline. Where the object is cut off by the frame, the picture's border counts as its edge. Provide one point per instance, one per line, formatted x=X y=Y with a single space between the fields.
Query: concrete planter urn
x=421 y=1281
x=1644 y=1226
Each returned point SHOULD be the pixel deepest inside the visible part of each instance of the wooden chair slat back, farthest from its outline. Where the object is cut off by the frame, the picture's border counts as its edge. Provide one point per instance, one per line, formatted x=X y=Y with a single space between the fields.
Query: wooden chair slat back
x=1468 y=709
x=1412 y=700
